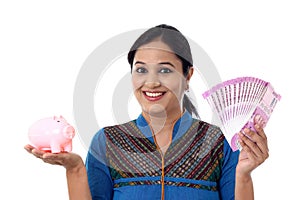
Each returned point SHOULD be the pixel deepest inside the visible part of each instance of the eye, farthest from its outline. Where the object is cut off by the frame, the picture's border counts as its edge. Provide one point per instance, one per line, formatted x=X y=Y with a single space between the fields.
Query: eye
x=141 y=70
x=165 y=70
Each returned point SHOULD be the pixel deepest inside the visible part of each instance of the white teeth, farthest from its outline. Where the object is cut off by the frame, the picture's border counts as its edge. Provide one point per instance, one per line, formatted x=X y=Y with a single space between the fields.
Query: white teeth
x=153 y=94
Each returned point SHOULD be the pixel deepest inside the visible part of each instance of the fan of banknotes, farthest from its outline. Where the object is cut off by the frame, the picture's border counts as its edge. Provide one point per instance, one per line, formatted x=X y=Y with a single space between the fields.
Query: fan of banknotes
x=237 y=101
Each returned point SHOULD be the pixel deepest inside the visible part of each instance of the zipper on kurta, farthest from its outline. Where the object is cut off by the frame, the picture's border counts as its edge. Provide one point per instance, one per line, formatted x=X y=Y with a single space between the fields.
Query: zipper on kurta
x=162 y=179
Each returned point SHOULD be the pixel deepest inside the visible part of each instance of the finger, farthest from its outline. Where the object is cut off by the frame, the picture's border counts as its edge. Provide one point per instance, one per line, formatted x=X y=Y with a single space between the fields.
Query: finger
x=258 y=148
x=32 y=150
x=259 y=137
x=259 y=120
x=263 y=142
x=260 y=131
x=254 y=161
x=28 y=148
x=250 y=143
x=250 y=155
x=38 y=153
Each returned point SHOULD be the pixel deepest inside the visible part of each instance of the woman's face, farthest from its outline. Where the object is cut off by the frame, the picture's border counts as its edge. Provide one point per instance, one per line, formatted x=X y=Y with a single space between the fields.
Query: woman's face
x=158 y=80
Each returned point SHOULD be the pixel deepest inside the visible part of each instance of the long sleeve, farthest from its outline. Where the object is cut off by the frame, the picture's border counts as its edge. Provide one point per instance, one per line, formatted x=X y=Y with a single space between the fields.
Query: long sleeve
x=227 y=180
x=100 y=182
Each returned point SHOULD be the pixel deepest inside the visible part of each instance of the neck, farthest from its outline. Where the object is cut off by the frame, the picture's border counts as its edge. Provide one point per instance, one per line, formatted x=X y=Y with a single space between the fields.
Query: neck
x=161 y=121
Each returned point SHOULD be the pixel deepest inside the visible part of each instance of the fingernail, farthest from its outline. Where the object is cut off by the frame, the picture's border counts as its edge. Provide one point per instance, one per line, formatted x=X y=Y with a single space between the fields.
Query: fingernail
x=257 y=126
x=246 y=130
x=258 y=117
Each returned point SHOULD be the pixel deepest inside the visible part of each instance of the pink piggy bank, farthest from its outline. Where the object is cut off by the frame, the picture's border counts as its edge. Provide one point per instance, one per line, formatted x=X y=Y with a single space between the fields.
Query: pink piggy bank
x=53 y=134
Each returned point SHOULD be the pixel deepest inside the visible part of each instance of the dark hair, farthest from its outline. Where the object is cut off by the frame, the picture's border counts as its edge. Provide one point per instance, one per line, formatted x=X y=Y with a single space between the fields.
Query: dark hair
x=178 y=44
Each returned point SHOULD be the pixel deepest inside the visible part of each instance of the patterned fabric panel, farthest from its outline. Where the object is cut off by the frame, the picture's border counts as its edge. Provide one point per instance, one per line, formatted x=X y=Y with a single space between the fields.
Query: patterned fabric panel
x=197 y=155
x=178 y=184
x=130 y=154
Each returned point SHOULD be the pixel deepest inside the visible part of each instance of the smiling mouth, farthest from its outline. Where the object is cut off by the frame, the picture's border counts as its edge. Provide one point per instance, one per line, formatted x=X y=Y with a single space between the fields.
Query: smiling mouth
x=153 y=96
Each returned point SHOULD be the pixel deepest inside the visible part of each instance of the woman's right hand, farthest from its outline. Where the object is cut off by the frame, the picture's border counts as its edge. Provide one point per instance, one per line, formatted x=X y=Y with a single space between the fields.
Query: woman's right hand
x=70 y=161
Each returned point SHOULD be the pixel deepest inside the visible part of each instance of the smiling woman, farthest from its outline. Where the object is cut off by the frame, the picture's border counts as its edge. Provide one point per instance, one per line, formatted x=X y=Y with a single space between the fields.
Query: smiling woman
x=159 y=85
x=158 y=79
x=165 y=153
x=166 y=47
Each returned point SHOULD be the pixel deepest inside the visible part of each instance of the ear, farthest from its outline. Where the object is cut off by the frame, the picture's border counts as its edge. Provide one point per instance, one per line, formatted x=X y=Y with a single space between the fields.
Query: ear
x=190 y=73
x=62 y=118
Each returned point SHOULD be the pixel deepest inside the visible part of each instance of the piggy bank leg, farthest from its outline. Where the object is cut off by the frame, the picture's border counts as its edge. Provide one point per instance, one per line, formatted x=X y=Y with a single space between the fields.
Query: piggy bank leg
x=68 y=147
x=55 y=147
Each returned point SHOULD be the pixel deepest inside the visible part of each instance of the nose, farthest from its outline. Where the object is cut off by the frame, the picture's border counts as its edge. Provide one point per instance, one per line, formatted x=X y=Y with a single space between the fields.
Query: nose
x=152 y=81
x=152 y=84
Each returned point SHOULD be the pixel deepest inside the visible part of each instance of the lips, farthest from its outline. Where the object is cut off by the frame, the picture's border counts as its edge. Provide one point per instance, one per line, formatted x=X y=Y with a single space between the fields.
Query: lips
x=153 y=96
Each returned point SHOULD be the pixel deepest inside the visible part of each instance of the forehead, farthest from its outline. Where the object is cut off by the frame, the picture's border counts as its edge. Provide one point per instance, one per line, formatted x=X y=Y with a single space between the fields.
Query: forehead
x=154 y=52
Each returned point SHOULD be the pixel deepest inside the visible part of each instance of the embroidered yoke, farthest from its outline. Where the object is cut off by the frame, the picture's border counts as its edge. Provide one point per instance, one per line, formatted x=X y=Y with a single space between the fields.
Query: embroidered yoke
x=197 y=165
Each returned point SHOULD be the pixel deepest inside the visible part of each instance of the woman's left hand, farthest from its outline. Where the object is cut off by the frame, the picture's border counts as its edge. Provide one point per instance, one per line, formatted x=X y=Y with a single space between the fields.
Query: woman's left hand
x=254 y=149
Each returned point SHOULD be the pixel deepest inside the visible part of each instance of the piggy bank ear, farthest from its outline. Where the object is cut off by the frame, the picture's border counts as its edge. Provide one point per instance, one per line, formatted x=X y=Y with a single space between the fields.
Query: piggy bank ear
x=61 y=118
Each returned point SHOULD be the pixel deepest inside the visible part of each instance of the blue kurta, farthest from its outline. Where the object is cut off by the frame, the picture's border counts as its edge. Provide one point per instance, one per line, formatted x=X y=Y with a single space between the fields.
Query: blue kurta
x=124 y=162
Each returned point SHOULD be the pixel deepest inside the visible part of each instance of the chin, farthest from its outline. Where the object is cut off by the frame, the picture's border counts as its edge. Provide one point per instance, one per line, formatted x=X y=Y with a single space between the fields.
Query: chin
x=156 y=109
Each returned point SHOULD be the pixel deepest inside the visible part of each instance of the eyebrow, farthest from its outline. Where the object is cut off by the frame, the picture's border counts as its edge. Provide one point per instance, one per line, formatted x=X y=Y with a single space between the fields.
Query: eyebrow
x=139 y=62
x=161 y=63
x=166 y=63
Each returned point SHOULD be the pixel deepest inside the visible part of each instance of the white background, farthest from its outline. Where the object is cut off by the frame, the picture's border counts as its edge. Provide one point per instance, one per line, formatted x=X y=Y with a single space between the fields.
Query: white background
x=44 y=44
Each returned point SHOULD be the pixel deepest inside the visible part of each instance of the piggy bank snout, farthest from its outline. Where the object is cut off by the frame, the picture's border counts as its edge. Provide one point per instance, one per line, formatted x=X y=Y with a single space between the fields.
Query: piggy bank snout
x=69 y=132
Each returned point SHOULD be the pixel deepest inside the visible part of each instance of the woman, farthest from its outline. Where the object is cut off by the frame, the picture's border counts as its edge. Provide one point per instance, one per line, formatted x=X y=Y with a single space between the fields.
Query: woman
x=164 y=153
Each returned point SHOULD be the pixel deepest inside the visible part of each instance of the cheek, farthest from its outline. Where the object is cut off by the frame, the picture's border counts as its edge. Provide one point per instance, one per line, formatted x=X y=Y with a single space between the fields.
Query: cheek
x=176 y=85
x=137 y=82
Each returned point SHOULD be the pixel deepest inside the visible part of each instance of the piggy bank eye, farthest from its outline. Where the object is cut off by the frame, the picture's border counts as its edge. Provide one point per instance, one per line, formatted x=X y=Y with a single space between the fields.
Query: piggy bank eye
x=58 y=121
